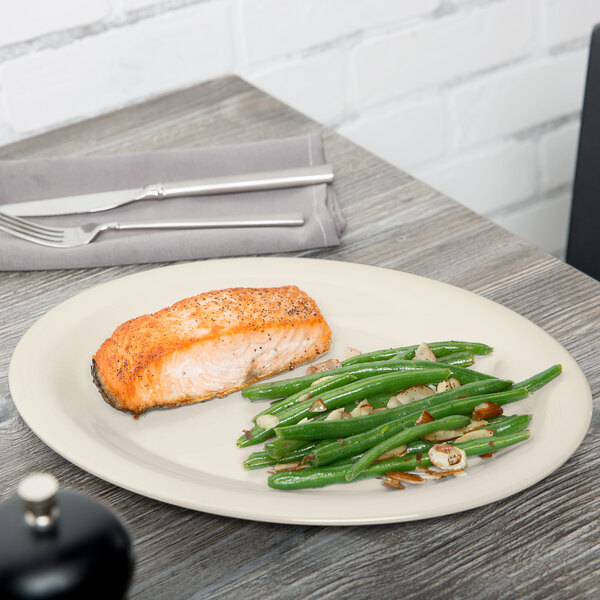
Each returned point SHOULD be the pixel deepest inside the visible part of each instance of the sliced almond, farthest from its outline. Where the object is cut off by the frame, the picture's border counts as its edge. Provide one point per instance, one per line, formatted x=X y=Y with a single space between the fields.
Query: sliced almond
x=321 y=380
x=424 y=417
x=327 y=365
x=474 y=435
x=392 y=483
x=291 y=466
x=267 y=421
x=427 y=470
x=444 y=435
x=486 y=410
x=393 y=402
x=443 y=474
x=445 y=456
x=448 y=384
x=317 y=406
x=337 y=415
x=350 y=353
x=459 y=473
x=410 y=394
x=363 y=408
x=473 y=425
x=405 y=477
x=433 y=475
x=424 y=352
x=305 y=420
x=393 y=453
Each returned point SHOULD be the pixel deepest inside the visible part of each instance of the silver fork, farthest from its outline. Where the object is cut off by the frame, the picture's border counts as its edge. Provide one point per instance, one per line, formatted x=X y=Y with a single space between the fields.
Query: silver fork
x=70 y=237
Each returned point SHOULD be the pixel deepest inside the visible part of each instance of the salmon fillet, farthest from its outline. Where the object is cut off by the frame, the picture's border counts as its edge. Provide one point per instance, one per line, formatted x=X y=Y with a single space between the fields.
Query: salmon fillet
x=207 y=346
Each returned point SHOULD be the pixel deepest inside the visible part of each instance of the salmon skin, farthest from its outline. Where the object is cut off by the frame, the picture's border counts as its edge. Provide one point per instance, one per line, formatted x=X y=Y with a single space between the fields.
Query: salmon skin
x=207 y=346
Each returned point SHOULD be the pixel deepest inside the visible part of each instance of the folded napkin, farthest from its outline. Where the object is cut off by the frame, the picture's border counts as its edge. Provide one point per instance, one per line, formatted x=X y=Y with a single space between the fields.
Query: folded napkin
x=22 y=180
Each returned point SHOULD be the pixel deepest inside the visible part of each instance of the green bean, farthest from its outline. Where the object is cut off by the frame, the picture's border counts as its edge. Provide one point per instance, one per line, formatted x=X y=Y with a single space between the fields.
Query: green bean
x=280 y=448
x=463 y=406
x=262 y=459
x=438 y=348
x=330 y=383
x=322 y=476
x=540 y=379
x=376 y=385
x=259 y=459
x=378 y=401
x=297 y=386
x=341 y=428
x=330 y=451
x=284 y=388
x=461 y=373
x=411 y=448
x=409 y=434
x=462 y=359
x=391 y=382
x=512 y=424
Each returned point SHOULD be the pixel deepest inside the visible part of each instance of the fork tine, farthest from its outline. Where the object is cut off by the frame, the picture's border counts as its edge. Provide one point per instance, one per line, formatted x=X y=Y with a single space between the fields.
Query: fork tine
x=27 y=235
x=31 y=238
x=30 y=227
x=29 y=223
x=17 y=228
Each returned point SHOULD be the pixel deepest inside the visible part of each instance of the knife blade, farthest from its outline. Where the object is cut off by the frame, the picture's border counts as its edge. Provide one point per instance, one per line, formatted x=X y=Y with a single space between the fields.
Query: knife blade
x=100 y=201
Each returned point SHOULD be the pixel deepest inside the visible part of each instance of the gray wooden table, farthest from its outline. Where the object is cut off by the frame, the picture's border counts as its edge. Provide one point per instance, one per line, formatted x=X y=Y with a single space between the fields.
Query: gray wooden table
x=541 y=543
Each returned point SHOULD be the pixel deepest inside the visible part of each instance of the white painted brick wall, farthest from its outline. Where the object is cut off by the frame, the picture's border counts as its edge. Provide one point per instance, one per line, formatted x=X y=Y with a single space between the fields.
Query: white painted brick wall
x=133 y=5
x=489 y=179
x=569 y=20
x=276 y=27
x=307 y=82
x=406 y=135
x=480 y=98
x=442 y=50
x=517 y=99
x=541 y=223
x=29 y=19
x=120 y=66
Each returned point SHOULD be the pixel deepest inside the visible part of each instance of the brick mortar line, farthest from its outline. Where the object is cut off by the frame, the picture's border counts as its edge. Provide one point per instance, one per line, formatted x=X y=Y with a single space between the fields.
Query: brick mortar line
x=55 y=40
x=120 y=18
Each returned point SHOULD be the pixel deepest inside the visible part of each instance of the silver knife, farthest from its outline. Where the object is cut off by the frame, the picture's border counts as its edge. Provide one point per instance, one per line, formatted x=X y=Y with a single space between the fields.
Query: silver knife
x=248 y=182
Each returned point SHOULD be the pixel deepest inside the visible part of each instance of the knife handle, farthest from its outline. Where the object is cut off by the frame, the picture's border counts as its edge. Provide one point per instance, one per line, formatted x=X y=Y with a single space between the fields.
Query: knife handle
x=267 y=180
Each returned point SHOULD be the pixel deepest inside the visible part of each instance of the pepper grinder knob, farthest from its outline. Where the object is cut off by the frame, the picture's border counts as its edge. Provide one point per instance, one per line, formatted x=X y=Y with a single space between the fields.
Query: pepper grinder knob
x=85 y=552
x=38 y=498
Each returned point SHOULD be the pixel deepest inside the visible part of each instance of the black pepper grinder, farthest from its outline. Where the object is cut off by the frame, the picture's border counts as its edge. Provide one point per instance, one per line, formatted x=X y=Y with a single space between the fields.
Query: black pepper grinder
x=60 y=544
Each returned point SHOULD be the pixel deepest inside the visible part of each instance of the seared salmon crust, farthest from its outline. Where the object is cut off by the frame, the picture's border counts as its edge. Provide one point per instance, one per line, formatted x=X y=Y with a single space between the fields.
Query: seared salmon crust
x=208 y=346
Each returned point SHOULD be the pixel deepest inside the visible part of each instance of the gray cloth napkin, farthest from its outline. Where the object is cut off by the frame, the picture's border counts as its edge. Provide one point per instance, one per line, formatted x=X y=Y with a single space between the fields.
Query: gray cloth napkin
x=44 y=178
